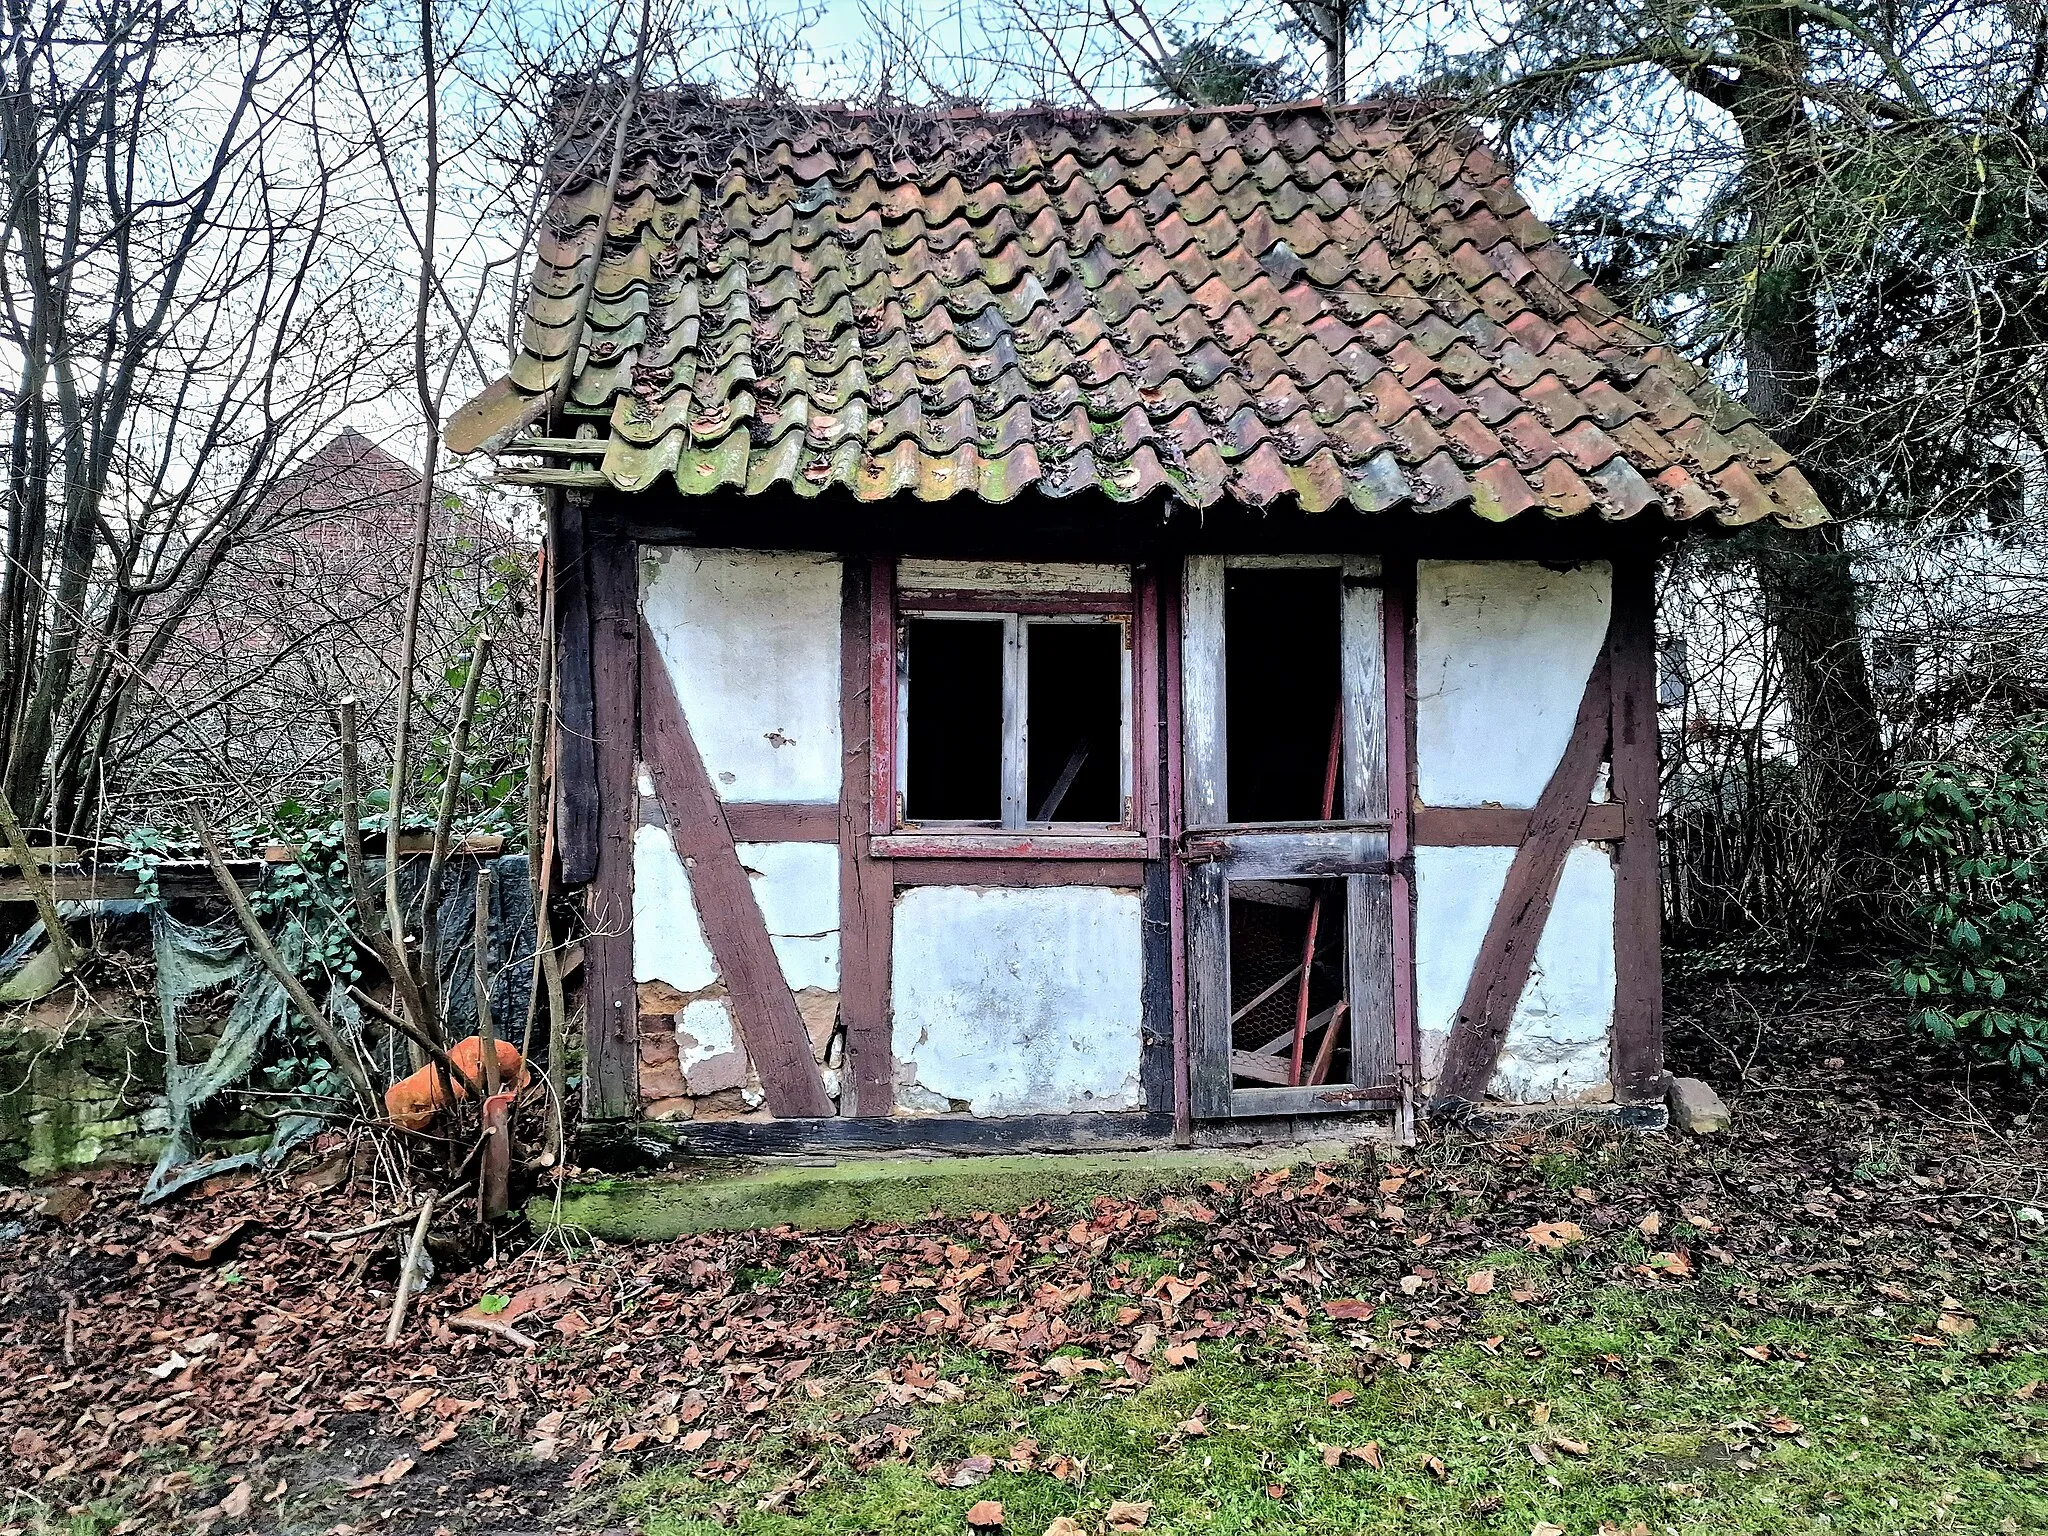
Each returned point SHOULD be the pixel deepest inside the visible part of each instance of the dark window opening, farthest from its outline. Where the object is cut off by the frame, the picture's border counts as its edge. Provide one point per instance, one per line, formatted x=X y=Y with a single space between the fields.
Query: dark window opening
x=1280 y=662
x=1074 y=722
x=1270 y=926
x=954 y=720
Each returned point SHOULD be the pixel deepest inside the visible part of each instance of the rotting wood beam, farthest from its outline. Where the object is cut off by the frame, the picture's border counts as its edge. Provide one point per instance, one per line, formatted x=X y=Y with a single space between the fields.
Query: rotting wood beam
x=611 y=1033
x=762 y=1004
x=866 y=896
x=1501 y=970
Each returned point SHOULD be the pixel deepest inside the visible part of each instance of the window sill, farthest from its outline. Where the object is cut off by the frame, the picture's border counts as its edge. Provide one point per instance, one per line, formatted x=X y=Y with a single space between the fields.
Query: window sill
x=1013 y=845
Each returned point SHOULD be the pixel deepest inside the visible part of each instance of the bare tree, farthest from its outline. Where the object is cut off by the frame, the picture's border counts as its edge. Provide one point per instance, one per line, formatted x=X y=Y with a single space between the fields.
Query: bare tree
x=185 y=325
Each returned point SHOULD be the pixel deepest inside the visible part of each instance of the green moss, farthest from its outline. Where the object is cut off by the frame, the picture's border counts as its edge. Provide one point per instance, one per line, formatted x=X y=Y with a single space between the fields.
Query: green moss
x=730 y=1198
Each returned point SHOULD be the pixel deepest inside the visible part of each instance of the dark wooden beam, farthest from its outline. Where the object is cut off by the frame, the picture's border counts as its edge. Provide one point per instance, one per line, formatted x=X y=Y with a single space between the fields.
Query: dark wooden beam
x=1015 y=872
x=575 y=699
x=1491 y=826
x=611 y=1048
x=764 y=1009
x=648 y=1144
x=764 y=822
x=1501 y=970
x=866 y=898
x=1638 y=1062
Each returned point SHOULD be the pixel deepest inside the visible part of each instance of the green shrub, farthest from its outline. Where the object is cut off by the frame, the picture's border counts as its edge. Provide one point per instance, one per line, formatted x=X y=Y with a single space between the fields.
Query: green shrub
x=1976 y=833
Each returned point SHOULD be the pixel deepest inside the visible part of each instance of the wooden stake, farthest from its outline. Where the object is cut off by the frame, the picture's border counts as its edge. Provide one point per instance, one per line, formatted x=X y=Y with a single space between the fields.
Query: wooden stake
x=408 y=1272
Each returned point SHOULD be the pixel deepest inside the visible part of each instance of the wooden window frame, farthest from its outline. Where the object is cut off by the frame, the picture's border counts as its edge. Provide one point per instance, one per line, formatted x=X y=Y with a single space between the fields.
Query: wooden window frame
x=1134 y=610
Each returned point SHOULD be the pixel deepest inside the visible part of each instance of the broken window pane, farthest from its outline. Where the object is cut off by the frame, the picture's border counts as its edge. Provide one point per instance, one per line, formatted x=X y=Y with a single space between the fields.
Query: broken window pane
x=1280 y=659
x=954 y=720
x=1074 y=722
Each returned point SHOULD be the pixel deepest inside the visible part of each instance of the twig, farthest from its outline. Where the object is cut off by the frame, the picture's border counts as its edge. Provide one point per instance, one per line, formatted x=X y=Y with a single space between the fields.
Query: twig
x=387 y=952
x=408 y=1273
x=367 y=1227
x=487 y=1040
x=493 y=1326
x=444 y=823
x=32 y=877
x=338 y=1049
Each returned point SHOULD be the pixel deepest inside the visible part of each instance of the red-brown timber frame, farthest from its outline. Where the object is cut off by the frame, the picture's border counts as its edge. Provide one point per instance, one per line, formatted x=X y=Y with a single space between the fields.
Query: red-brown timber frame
x=1617 y=721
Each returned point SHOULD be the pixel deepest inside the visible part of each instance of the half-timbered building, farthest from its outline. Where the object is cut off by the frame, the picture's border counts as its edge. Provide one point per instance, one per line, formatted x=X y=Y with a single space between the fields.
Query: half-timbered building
x=1079 y=629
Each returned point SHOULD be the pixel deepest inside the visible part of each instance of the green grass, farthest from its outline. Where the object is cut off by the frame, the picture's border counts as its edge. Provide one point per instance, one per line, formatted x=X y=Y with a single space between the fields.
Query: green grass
x=1892 y=1437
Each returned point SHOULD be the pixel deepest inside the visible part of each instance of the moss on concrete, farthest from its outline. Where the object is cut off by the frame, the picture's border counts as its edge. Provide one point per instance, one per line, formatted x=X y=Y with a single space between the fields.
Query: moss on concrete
x=76 y=1088
x=742 y=1196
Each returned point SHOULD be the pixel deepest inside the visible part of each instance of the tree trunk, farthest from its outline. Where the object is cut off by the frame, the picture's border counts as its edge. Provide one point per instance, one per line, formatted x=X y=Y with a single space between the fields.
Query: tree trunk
x=1806 y=577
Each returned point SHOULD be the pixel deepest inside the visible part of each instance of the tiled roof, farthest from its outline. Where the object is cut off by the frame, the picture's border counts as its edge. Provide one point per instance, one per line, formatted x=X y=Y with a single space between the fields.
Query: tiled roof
x=1348 y=305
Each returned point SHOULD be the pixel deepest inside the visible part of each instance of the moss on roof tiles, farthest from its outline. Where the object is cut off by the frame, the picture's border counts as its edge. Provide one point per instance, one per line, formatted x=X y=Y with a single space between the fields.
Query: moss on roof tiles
x=1289 y=304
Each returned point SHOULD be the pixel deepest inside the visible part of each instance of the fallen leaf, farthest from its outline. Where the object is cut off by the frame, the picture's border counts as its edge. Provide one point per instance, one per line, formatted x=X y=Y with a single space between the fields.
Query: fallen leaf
x=1677 y=1263
x=1480 y=1282
x=1554 y=1234
x=987 y=1515
x=1182 y=1353
x=1437 y=1469
x=1545 y=1528
x=1778 y=1424
x=1956 y=1324
x=385 y=1478
x=1129 y=1514
x=1571 y=1446
x=1650 y=1225
x=1757 y=1351
x=1067 y=1525
x=237 y=1503
x=965 y=1474
x=1369 y=1453
x=1410 y=1284
x=1348 y=1309
x=1342 y=1398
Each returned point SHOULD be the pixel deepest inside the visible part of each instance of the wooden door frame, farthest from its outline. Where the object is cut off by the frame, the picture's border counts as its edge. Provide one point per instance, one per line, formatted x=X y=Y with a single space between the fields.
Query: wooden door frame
x=1360 y=848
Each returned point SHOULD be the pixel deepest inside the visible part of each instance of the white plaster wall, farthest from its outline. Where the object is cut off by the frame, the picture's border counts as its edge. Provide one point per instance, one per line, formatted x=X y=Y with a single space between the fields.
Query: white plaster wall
x=1503 y=649
x=751 y=639
x=1018 y=1001
x=1557 y=1045
x=668 y=941
x=797 y=887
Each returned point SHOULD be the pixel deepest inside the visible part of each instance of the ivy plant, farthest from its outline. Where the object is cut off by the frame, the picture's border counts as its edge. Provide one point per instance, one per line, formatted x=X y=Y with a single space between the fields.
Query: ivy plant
x=1975 y=832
